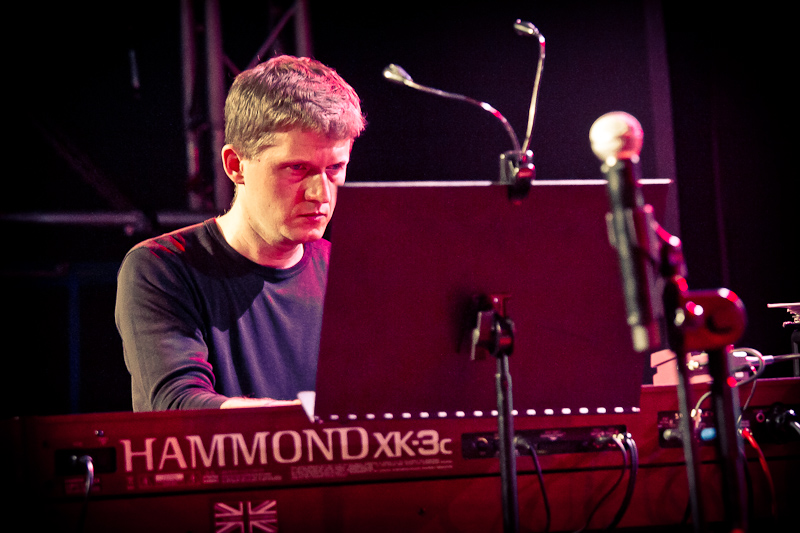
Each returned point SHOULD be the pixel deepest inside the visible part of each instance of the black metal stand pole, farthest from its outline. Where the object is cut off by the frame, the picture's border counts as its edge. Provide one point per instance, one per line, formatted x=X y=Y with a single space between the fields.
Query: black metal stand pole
x=710 y=321
x=690 y=447
x=672 y=305
x=729 y=446
x=508 y=456
x=494 y=334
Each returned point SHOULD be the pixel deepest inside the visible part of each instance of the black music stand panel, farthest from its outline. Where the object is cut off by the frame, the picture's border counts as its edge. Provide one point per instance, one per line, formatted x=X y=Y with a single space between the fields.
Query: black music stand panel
x=409 y=260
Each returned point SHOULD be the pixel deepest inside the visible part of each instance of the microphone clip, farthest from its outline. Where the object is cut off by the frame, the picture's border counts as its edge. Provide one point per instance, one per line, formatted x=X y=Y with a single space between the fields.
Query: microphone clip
x=517 y=172
x=493 y=333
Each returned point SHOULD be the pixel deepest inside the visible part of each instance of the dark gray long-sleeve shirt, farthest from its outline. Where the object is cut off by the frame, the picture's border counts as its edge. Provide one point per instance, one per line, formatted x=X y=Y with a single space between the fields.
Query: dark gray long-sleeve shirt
x=200 y=322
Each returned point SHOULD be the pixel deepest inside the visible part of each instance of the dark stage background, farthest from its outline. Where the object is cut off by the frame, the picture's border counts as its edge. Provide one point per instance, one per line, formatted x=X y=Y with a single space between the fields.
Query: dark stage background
x=709 y=85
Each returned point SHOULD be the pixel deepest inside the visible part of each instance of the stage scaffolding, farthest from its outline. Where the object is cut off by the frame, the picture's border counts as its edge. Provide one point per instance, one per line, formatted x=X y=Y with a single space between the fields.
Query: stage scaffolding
x=200 y=27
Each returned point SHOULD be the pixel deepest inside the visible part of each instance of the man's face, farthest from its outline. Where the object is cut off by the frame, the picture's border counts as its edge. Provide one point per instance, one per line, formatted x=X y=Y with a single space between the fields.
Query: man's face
x=289 y=189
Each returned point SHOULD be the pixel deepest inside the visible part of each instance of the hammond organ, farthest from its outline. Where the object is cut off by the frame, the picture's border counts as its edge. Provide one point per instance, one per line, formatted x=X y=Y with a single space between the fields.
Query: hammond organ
x=272 y=469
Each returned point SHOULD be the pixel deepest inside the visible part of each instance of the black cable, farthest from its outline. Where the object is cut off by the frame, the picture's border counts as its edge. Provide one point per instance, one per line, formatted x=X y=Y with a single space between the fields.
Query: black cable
x=532 y=450
x=634 y=469
x=88 y=463
x=618 y=441
x=756 y=373
x=687 y=514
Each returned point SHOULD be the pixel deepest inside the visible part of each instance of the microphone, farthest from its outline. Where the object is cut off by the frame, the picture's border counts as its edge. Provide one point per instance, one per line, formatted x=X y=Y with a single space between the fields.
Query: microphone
x=616 y=139
x=516 y=166
x=526 y=28
x=396 y=74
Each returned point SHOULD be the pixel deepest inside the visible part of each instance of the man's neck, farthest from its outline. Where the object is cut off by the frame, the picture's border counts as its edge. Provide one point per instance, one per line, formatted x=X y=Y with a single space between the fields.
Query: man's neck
x=250 y=245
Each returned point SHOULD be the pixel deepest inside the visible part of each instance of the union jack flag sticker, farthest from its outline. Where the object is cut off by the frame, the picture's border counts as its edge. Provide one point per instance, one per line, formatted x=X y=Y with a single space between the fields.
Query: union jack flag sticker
x=246 y=517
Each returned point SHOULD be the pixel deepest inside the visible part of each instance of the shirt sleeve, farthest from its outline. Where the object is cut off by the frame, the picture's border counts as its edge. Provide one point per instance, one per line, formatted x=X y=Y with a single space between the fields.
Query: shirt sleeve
x=159 y=320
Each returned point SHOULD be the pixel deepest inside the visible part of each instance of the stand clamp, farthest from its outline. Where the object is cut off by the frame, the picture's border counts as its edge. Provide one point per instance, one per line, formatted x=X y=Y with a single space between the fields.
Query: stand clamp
x=494 y=334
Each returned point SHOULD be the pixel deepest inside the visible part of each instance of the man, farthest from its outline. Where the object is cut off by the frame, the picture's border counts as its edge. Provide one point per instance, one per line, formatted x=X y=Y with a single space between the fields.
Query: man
x=228 y=313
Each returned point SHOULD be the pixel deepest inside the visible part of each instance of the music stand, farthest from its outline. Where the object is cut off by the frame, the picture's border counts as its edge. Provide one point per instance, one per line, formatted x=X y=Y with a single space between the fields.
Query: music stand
x=409 y=260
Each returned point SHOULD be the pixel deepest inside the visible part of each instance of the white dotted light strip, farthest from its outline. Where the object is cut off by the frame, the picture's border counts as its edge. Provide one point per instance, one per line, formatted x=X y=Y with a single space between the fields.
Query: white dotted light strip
x=482 y=414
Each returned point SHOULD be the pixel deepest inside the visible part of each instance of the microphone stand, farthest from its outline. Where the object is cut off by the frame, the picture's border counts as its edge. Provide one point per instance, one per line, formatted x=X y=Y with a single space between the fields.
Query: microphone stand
x=709 y=321
x=494 y=331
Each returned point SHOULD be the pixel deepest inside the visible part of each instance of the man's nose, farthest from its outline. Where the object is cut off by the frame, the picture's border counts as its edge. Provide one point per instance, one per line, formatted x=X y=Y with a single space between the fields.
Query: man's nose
x=319 y=188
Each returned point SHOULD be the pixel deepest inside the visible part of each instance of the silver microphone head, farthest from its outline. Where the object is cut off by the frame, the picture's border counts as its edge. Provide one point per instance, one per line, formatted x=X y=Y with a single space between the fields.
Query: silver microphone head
x=396 y=74
x=616 y=135
x=526 y=28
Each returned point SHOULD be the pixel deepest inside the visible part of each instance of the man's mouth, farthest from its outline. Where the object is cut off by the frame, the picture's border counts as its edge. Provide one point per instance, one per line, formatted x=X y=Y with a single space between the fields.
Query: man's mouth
x=314 y=216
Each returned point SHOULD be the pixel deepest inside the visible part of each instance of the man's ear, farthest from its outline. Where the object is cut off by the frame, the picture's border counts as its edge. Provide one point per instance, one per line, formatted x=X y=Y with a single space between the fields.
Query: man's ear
x=232 y=164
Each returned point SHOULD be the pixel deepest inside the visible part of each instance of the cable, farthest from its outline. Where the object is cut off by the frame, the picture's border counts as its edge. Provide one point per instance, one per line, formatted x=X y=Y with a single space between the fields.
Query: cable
x=618 y=440
x=89 y=481
x=634 y=469
x=748 y=436
x=745 y=432
x=532 y=450
x=757 y=373
x=665 y=361
x=700 y=402
x=795 y=426
x=88 y=463
x=687 y=514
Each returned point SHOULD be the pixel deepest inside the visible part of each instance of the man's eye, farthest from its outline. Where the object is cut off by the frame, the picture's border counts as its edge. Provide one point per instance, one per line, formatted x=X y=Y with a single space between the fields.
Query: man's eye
x=336 y=172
